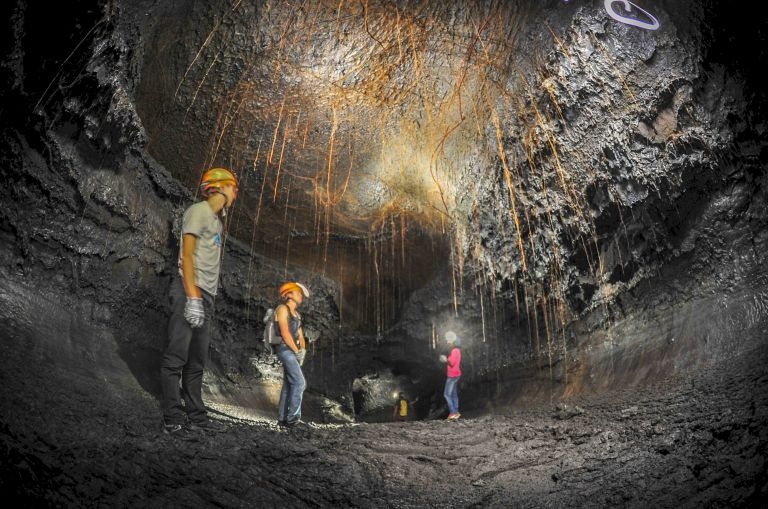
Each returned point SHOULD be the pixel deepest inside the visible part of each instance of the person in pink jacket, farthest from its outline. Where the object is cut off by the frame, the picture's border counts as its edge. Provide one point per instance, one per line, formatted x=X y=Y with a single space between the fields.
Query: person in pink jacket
x=453 y=373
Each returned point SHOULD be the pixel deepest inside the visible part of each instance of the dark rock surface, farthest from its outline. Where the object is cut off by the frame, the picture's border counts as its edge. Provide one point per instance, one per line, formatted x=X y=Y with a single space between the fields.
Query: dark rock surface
x=695 y=439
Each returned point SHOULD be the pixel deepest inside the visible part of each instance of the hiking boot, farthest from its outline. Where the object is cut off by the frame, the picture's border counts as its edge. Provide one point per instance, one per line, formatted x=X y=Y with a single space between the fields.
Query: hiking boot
x=174 y=429
x=298 y=423
x=207 y=425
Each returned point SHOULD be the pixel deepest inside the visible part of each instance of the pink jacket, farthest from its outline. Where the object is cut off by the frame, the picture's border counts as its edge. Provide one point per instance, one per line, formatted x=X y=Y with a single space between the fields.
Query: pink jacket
x=454 y=363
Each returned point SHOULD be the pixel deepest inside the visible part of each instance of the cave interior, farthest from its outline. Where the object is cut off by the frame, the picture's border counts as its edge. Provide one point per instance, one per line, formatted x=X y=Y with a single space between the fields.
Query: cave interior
x=574 y=188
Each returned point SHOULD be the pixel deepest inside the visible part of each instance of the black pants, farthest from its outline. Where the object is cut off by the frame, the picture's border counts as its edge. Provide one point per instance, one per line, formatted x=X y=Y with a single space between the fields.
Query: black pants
x=184 y=360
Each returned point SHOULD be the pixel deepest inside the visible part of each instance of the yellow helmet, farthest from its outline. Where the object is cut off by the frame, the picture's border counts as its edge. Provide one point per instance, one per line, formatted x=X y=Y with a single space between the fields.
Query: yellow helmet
x=216 y=178
x=291 y=286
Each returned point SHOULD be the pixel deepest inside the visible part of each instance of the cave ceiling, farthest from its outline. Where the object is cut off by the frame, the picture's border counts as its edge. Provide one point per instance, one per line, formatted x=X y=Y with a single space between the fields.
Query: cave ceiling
x=535 y=142
x=339 y=117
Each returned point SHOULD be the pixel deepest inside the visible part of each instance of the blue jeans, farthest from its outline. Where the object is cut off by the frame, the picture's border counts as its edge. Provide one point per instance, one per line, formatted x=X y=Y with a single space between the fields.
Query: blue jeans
x=451 y=394
x=289 y=408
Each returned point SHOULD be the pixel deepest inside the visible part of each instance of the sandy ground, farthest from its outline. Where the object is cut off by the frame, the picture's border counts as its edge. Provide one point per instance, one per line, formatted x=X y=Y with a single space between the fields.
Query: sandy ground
x=72 y=439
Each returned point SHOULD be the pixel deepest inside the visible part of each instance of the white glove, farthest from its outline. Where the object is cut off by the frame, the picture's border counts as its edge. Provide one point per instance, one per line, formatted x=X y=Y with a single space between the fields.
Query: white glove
x=300 y=356
x=443 y=358
x=194 y=313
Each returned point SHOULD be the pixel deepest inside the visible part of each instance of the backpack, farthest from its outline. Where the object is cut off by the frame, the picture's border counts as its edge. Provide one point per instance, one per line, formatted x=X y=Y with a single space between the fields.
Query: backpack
x=271 y=337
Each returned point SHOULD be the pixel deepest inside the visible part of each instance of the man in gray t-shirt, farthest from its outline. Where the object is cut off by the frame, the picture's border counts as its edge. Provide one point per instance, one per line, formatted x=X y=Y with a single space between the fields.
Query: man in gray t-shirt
x=191 y=299
x=201 y=222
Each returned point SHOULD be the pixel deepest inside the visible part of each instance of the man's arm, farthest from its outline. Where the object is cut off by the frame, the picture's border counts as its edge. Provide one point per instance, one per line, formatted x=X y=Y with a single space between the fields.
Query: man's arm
x=189 y=243
x=194 y=312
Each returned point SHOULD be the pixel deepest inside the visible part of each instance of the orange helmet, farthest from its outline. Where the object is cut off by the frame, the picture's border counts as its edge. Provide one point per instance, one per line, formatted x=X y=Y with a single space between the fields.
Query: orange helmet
x=216 y=178
x=291 y=286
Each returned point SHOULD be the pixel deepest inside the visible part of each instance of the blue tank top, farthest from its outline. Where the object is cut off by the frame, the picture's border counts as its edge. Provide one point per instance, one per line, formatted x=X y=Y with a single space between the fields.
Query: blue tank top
x=294 y=324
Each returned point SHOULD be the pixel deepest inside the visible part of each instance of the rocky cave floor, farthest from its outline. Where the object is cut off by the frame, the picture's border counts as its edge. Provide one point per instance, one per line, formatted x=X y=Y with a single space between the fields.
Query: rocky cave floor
x=698 y=439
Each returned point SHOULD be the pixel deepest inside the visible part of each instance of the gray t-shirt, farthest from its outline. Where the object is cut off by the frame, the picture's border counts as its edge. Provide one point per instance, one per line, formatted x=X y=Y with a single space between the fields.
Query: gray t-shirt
x=200 y=221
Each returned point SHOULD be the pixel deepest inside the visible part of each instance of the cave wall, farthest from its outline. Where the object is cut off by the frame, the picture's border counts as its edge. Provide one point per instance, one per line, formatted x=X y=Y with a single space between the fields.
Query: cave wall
x=90 y=223
x=621 y=236
x=629 y=219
